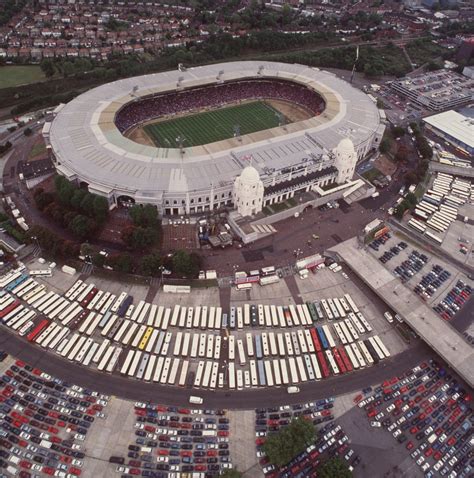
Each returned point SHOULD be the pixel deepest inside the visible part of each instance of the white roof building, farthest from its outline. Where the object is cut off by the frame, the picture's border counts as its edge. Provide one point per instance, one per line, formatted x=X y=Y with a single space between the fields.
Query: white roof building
x=455 y=127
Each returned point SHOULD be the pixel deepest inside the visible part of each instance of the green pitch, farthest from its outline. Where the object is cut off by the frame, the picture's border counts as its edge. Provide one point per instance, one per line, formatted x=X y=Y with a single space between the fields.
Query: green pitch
x=211 y=126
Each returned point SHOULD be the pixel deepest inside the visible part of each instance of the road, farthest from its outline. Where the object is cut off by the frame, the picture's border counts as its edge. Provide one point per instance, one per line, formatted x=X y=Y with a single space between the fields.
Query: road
x=245 y=399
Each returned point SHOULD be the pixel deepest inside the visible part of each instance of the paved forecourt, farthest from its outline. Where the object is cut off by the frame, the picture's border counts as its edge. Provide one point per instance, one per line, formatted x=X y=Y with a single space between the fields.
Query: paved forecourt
x=436 y=332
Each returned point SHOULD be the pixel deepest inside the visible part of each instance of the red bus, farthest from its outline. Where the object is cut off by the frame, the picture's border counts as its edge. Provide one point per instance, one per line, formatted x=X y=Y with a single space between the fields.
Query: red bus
x=77 y=321
x=323 y=365
x=37 y=330
x=314 y=336
x=345 y=359
x=89 y=297
x=339 y=361
x=8 y=309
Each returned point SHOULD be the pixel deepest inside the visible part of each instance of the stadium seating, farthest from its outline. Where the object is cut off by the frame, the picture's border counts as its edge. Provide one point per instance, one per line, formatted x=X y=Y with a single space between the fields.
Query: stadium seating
x=212 y=96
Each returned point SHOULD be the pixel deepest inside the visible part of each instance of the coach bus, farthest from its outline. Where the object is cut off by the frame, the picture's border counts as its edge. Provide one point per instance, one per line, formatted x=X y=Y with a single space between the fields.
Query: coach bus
x=316 y=343
x=293 y=370
x=339 y=362
x=323 y=364
x=268 y=373
x=381 y=345
x=268 y=271
x=301 y=368
x=340 y=334
x=365 y=352
x=358 y=355
x=332 y=307
x=352 y=357
x=332 y=362
x=345 y=359
x=351 y=303
x=322 y=338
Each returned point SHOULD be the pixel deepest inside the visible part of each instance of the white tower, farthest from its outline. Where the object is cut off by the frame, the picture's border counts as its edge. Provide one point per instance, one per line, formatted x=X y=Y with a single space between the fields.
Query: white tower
x=248 y=192
x=345 y=160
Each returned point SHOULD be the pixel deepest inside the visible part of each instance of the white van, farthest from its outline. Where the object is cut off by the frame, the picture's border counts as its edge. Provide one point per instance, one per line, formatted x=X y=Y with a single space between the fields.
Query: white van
x=389 y=317
x=293 y=389
x=195 y=400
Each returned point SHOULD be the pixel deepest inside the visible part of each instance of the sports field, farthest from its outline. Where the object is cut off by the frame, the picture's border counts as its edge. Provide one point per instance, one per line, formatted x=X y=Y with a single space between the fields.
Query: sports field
x=211 y=126
x=19 y=75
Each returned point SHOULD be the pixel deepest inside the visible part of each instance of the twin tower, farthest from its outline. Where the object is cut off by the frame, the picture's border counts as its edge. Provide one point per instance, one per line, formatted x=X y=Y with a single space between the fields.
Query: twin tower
x=249 y=190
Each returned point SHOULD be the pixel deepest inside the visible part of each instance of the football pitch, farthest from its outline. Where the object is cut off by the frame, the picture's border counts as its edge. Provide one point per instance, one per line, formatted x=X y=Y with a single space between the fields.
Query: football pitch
x=211 y=126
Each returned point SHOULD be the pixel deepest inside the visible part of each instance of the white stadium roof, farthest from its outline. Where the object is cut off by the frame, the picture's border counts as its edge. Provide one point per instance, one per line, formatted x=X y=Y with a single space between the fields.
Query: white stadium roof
x=89 y=146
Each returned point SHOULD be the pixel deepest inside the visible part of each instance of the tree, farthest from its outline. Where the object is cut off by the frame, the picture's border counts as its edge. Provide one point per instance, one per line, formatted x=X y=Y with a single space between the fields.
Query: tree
x=100 y=207
x=77 y=198
x=186 y=264
x=398 y=131
x=385 y=145
x=334 y=468
x=87 y=203
x=283 y=446
x=81 y=226
x=139 y=238
x=150 y=264
x=47 y=67
x=144 y=215
x=43 y=199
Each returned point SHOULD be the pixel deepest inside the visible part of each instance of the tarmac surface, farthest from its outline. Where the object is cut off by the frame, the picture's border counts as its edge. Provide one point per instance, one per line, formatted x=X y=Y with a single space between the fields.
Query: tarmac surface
x=245 y=399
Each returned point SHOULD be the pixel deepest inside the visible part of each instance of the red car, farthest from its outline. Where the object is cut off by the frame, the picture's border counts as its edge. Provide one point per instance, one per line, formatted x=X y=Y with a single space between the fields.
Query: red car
x=223 y=433
x=211 y=453
x=25 y=464
x=48 y=470
x=163 y=452
x=75 y=471
x=259 y=441
x=410 y=445
x=186 y=453
x=20 y=363
x=135 y=471
x=184 y=411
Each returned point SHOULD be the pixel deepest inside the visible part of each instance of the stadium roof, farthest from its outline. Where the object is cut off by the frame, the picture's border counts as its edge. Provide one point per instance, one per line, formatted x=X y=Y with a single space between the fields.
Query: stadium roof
x=88 y=145
x=455 y=125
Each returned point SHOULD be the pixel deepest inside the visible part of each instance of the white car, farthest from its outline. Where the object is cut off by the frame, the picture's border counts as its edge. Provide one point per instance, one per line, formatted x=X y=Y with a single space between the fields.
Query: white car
x=391 y=407
x=345 y=275
x=379 y=415
x=102 y=402
x=260 y=454
x=396 y=433
x=375 y=424
x=77 y=463
x=268 y=469
x=122 y=469
x=76 y=446
x=79 y=437
x=162 y=459
x=420 y=460
x=425 y=466
x=260 y=434
x=139 y=405
x=36 y=467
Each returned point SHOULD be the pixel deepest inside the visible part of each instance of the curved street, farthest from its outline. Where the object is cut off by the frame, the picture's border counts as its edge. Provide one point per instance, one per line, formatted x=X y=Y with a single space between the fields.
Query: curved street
x=246 y=399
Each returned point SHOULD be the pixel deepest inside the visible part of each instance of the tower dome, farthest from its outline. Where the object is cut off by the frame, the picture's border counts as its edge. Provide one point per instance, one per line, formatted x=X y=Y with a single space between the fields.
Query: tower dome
x=249 y=175
x=345 y=146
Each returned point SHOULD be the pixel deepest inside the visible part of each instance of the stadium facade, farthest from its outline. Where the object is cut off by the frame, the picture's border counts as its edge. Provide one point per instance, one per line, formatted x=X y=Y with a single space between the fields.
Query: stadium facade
x=89 y=148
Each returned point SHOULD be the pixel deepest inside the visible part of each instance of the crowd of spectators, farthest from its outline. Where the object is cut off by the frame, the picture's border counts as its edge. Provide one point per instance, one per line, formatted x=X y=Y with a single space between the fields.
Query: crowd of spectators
x=168 y=104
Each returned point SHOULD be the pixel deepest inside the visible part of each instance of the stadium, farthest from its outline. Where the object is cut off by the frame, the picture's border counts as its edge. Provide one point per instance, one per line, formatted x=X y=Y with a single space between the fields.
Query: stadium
x=179 y=139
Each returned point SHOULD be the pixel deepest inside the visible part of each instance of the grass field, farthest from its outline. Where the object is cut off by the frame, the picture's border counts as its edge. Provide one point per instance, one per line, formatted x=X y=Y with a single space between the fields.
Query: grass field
x=211 y=126
x=19 y=75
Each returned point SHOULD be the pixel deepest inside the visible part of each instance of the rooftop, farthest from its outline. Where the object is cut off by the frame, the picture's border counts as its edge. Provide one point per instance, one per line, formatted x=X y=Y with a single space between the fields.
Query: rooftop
x=436 y=332
x=88 y=144
x=455 y=125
